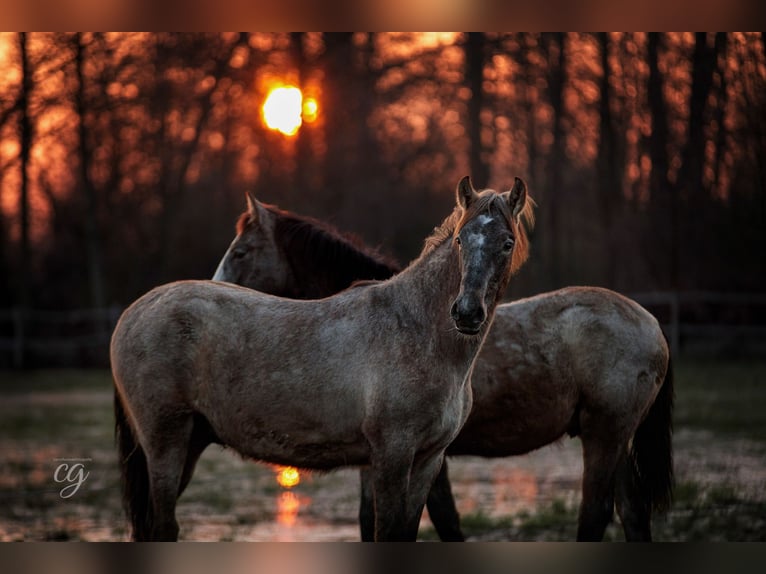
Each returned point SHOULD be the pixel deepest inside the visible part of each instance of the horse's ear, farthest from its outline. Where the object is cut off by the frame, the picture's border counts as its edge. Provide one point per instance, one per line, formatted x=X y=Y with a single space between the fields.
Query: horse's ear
x=465 y=192
x=253 y=207
x=517 y=197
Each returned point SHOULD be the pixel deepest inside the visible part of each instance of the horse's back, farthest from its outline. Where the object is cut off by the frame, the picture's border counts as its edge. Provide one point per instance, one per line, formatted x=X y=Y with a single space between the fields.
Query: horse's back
x=612 y=348
x=589 y=323
x=266 y=372
x=549 y=356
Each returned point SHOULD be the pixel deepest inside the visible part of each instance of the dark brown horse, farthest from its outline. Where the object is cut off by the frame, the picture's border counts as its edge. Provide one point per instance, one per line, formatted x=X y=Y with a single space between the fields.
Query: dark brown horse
x=310 y=383
x=581 y=361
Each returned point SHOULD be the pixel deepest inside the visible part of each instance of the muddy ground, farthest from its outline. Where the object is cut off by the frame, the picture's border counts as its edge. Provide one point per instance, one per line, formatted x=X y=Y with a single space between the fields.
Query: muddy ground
x=48 y=419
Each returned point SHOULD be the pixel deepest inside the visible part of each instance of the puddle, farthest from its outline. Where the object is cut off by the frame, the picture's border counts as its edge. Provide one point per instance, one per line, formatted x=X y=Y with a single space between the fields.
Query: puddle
x=233 y=499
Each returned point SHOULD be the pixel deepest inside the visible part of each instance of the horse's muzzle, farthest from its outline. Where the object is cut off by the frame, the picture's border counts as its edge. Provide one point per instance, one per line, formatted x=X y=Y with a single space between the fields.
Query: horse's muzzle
x=469 y=314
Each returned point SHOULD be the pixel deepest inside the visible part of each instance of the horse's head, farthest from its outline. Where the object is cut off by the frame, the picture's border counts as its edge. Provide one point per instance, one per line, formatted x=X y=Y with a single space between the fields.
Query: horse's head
x=492 y=243
x=253 y=258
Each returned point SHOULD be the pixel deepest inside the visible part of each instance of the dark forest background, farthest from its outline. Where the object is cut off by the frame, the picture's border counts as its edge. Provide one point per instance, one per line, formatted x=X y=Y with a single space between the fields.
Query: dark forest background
x=124 y=158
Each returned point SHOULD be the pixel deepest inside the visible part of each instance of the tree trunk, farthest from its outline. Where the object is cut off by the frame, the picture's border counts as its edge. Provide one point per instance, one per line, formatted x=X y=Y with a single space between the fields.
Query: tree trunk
x=525 y=47
x=301 y=180
x=92 y=235
x=693 y=157
x=475 y=59
x=341 y=122
x=609 y=180
x=721 y=45
x=25 y=137
x=554 y=192
x=25 y=131
x=659 y=184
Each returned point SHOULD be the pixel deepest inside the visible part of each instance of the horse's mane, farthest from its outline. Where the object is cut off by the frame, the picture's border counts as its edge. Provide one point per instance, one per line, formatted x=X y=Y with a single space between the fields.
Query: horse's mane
x=313 y=247
x=242 y=222
x=486 y=200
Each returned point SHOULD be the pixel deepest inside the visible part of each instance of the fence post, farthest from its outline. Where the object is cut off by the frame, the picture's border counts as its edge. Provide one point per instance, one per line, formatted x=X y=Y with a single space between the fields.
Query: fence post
x=675 y=322
x=18 y=337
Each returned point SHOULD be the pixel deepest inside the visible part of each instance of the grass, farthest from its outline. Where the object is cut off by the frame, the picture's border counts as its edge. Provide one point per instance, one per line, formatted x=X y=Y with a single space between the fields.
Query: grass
x=717 y=513
x=47 y=414
x=724 y=397
x=20 y=382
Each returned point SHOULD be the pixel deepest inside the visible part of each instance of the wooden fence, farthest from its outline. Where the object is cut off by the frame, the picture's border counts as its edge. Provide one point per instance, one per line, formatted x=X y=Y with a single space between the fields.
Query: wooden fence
x=702 y=322
x=36 y=338
x=697 y=322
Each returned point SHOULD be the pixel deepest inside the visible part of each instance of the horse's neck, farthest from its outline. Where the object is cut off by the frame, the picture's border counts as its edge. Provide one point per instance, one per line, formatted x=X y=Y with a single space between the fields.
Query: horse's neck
x=432 y=283
x=322 y=276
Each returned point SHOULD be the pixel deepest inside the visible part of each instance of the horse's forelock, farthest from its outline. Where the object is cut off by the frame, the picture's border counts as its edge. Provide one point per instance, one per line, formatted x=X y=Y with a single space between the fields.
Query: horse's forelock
x=459 y=217
x=489 y=199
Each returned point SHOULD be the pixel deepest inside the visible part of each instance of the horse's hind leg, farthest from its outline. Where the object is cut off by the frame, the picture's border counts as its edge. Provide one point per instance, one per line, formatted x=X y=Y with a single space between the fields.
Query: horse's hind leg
x=634 y=511
x=167 y=454
x=424 y=472
x=442 y=510
x=601 y=453
x=367 y=505
x=202 y=436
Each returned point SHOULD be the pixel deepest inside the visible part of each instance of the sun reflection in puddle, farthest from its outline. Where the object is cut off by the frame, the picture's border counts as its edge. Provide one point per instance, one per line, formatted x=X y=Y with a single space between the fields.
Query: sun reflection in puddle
x=501 y=491
x=514 y=490
x=288 y=505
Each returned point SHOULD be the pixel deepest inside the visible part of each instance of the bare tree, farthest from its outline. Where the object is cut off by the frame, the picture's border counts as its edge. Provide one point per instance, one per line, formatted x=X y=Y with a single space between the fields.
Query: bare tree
x=175 y=171
x=25 y=131
x=693 y=155
x=554 y=47
x=92 y=234
x=303 y=152
x=475 y=47
x=609 y=182
x=659 y=185
x=721 y=50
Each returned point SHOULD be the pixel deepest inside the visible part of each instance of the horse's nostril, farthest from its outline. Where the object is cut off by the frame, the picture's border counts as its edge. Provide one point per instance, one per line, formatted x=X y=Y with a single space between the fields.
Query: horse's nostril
x=468 y=315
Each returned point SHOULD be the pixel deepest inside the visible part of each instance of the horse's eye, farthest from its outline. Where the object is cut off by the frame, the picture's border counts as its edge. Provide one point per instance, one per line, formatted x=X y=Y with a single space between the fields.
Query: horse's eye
x=457 y=241
x=508 y=244
x=238 y=254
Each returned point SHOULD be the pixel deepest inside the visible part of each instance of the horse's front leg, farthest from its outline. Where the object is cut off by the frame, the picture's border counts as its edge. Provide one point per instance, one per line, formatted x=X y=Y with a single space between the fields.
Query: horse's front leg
x=442 y=509
x=424 y=471
x=390 y=474
x=367 y=505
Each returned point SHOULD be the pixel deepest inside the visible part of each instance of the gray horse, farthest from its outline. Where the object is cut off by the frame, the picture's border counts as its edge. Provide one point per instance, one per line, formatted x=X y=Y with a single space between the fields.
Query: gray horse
x=377 y=375
x=579 y=361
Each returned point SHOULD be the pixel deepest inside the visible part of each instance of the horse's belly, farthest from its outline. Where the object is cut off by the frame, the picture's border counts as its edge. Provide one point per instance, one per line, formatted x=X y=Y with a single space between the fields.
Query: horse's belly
x=503 y=439
x=508 y=423
x=311 y=451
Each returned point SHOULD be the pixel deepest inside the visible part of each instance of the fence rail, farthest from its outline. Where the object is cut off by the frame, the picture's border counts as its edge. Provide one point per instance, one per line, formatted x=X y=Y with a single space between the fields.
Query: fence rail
x=80 y=337
x=672 y=308
x=32 y=337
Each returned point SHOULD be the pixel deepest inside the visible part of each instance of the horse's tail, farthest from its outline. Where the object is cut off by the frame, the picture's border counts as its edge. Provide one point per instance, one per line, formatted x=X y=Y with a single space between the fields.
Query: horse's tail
x=134 y=474
x=652 y=450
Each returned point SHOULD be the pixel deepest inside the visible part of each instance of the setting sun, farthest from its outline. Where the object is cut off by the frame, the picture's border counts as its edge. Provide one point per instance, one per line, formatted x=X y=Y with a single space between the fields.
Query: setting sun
x=285 y=109
x=310 y=109
x=288 y=476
